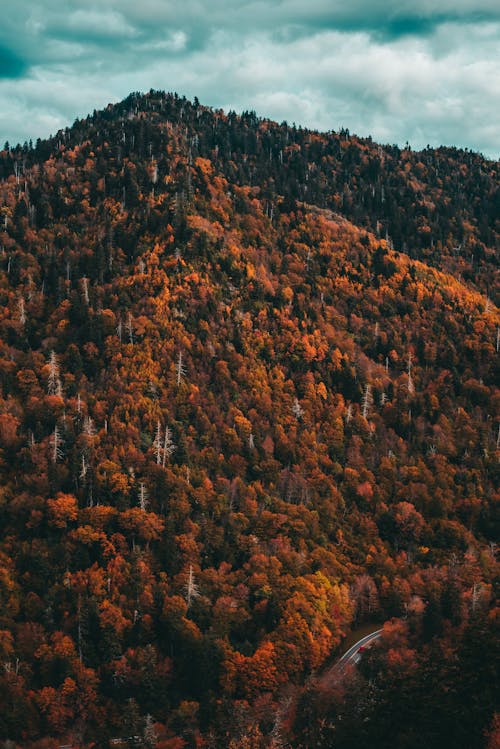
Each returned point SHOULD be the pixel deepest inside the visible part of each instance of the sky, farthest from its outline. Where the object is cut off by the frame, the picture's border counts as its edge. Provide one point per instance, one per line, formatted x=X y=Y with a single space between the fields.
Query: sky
x=422 y=71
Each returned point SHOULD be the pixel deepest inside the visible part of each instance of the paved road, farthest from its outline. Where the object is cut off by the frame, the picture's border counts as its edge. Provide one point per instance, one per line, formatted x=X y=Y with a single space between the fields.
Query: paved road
x=353 y=655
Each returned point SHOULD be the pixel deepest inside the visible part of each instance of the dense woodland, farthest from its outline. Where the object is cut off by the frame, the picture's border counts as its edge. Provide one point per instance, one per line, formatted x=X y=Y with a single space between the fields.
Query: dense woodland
x=248 y=404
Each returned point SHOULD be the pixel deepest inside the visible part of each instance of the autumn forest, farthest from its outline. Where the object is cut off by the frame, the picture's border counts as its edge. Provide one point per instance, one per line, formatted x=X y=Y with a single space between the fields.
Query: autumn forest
x=249 y=406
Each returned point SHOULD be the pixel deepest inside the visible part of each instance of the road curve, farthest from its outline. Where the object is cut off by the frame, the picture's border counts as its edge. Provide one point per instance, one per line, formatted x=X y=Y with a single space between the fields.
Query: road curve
x=353 y=655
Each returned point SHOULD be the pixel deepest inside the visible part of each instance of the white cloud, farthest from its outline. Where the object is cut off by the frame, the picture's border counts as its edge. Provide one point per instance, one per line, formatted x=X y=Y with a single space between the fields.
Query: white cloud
x=97 y=23
x=441 y=87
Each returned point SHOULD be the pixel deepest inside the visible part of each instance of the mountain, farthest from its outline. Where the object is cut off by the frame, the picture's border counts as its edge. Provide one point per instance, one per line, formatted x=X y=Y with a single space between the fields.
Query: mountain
x=248 y=404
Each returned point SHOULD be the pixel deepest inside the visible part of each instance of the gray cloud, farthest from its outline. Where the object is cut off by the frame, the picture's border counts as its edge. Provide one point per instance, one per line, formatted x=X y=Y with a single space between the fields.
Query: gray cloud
x=397 y=70
x=11 y=66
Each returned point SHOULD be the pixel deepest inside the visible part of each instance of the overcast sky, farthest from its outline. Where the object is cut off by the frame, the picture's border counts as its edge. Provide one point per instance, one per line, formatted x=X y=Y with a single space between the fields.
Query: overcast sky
x=426 y=71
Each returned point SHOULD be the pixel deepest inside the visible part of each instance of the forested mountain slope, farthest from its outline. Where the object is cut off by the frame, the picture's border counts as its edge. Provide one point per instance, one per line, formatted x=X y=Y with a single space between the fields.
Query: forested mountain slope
x=248 y=402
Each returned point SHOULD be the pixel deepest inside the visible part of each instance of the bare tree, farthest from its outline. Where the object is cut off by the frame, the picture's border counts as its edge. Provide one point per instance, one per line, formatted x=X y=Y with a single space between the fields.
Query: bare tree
x=22 y=311
x=180 y=369
x=85 y=287
x=191 y=588
x=477 y=594
x=297 y=409
x=157 y=444
x=367 y=401
x=154 y=174
x=88 y=427
x=84 y=469
x=54 y=386
x=411 y=386
x=168 y=445
x=56 y=445
x=143 y=496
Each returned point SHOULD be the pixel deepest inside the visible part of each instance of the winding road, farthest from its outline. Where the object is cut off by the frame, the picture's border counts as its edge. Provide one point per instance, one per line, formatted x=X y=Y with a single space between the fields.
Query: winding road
x=350 y=658
x=353 y=655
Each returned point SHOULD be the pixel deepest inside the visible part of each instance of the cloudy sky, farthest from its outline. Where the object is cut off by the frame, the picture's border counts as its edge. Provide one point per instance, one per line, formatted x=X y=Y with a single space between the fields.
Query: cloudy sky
x=426 y=71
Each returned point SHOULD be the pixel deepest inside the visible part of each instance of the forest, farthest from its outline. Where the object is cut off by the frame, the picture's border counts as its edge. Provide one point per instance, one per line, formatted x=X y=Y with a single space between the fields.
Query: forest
x=249 y=404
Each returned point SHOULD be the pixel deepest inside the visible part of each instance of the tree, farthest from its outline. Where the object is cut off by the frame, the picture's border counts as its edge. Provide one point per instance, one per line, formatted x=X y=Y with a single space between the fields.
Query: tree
x=157 y=444
x=191 y=588
x=367 y=401
x=54 y=386
x=298 y=412
x=180 y=369
x=62 y=510
x=168 y=446
x=143 y=496
x=56 y=442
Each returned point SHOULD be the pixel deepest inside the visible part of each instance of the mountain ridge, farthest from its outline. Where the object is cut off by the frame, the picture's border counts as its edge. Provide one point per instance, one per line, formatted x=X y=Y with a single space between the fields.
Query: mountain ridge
x=236 y=424
x=348 y=160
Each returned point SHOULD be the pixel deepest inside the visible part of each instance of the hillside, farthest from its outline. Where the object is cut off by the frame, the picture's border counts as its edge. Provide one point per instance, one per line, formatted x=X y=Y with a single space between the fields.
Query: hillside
x=248 y=403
